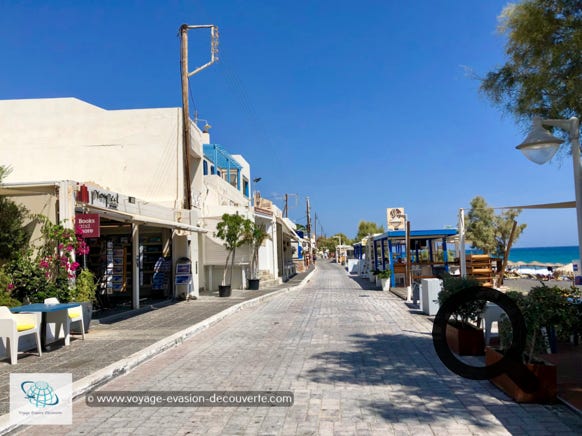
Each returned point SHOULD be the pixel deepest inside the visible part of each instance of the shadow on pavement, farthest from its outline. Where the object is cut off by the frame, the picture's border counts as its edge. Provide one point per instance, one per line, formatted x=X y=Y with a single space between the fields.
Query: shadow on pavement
x=410 y=364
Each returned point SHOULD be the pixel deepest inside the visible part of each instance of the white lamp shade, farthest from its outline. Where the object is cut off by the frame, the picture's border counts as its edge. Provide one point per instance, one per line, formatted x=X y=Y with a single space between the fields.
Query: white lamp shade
x=540 y=146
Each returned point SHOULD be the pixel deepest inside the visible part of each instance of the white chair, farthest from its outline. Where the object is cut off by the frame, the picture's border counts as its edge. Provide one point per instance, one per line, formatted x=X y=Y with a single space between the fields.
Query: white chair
x=75 y=314
x=15 y=325
x=491 y=315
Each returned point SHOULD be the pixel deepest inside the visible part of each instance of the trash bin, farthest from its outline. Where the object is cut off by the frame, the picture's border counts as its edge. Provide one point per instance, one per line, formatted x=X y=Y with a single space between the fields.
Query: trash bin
x=429 y=295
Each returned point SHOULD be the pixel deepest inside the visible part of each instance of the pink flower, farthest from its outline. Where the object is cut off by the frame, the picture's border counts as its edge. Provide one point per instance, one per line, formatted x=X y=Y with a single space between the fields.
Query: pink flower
x=44 y=264
x=69 y=248
x=74 y=266
x=10 y=286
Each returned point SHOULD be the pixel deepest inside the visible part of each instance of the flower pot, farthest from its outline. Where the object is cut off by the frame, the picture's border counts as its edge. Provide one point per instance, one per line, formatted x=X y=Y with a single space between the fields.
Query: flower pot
x=465 y=341
x=546 y=373
x=378 y=282
x=87 y=307
x=254 y=284
x=385 y=284
x=224 y=290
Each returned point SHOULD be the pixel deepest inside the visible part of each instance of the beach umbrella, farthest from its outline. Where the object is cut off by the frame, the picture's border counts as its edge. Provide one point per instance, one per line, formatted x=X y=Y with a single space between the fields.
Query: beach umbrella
x=569 y=268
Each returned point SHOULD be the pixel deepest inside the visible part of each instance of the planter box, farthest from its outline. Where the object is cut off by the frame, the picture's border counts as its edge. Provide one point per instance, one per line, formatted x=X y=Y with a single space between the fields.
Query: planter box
x=224 y=291
x=254 y=284
x=385 y=284
x=465 y=341
x=546 y=373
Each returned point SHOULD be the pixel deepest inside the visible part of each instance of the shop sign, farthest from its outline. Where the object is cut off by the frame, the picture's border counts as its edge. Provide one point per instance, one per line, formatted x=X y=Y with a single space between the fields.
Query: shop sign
x=104 y=198
x=89 y=224
x=395 y=218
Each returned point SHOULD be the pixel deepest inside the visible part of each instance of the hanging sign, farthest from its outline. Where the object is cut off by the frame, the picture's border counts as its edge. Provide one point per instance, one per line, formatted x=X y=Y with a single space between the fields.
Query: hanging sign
x=89 y=224
x=395 y=218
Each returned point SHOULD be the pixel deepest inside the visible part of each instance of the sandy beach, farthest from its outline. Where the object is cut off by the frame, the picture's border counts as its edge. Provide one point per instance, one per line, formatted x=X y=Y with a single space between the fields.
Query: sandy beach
x=524 y=285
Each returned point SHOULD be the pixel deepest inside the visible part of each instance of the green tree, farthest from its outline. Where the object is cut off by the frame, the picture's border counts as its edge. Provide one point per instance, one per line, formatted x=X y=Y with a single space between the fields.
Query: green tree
x=503 y=225
x=481 y=226
x=13 y=235
x=490 y=232
x=366 y=228
x=232 y=229
x=544 y=48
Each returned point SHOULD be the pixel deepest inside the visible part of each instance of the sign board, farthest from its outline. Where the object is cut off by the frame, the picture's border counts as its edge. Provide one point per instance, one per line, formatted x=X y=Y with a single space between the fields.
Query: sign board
x=89 y=224
x=395 y=218
x=183 y=272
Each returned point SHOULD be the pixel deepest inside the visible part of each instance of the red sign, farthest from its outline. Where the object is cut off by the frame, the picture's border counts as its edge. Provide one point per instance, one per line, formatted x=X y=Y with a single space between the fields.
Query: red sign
x=89 y=224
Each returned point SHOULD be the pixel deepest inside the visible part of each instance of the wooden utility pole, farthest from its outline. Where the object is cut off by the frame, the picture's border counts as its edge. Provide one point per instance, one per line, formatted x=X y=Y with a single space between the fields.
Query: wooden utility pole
x=309 y=229
x=315 y=228
x=185 y=116
x=285 y=210
x=185 y=74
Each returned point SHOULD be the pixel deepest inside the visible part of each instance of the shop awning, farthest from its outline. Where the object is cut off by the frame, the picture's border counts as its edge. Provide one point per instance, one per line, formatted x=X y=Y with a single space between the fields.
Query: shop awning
x=142 y=219
x=288 y=229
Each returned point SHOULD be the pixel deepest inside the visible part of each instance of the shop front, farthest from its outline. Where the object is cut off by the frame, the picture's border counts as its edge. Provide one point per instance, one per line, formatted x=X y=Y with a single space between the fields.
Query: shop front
x=134 y=245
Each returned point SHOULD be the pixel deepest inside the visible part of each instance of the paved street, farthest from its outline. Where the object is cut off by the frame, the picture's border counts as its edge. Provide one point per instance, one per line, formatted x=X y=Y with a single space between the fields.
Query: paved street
x=358 y=362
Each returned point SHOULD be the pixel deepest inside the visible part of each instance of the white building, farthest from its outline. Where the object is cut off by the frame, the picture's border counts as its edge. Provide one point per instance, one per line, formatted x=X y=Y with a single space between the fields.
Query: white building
x=69 y=157
x=127 y=166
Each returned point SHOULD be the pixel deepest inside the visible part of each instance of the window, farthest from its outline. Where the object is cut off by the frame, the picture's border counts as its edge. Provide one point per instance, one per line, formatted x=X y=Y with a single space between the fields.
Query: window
x=245 y=187
x=205 y=167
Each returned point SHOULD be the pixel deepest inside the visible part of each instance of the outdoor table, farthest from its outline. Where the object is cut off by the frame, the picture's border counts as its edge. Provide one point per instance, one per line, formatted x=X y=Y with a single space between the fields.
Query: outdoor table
x=57 y=313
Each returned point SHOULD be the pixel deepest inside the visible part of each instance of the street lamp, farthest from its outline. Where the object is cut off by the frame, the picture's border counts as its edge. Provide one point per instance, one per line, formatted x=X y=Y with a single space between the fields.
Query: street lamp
x=540 y=146
x=255 y=181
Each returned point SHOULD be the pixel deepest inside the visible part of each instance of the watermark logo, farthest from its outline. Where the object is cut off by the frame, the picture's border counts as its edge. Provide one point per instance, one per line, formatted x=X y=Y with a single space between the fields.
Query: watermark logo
x=40 y=393
x=41 y=398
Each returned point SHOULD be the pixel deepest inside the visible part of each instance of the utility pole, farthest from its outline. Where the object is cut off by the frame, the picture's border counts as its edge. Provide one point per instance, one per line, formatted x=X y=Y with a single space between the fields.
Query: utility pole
x=185 y=74
x=315 y=227
x=309 y=229
x=285 y=210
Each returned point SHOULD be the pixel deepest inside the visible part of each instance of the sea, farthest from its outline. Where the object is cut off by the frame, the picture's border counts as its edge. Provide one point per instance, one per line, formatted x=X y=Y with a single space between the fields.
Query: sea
x=563 y=255
x=547 y=255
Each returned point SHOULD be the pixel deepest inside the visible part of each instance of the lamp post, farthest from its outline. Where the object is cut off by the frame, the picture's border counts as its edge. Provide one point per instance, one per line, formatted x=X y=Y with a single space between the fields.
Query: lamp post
x=255 y=181
x=540 y=146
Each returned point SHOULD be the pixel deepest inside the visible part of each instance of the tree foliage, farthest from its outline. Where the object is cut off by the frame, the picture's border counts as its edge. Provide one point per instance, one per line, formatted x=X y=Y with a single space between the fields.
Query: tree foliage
x=13 y=236
x=544 y=48
x=232 y=229
x=366 y=228
x=480 y=225
x=490 y=232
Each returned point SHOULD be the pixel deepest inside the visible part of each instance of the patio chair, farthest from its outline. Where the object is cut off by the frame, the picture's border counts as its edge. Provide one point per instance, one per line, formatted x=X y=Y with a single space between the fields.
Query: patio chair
x=491 y=316
x=15 y=325
x=75 y=314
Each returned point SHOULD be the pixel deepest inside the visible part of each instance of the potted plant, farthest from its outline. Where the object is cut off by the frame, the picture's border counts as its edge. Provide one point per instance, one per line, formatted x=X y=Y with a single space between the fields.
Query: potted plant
x=232 y=230
x=84 y=293
x=463 y=334
x=385 y=277
x=256 y=235
x=374 y=277
x=546 y=310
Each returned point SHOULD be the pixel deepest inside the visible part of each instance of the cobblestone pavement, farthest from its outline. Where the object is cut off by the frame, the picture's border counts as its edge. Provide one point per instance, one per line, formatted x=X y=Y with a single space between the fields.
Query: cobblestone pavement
x=358 y=361
x=117 y=338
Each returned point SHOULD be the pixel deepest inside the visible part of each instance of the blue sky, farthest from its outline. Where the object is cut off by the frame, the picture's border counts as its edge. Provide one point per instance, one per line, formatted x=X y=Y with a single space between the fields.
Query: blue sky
x=359 y=106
